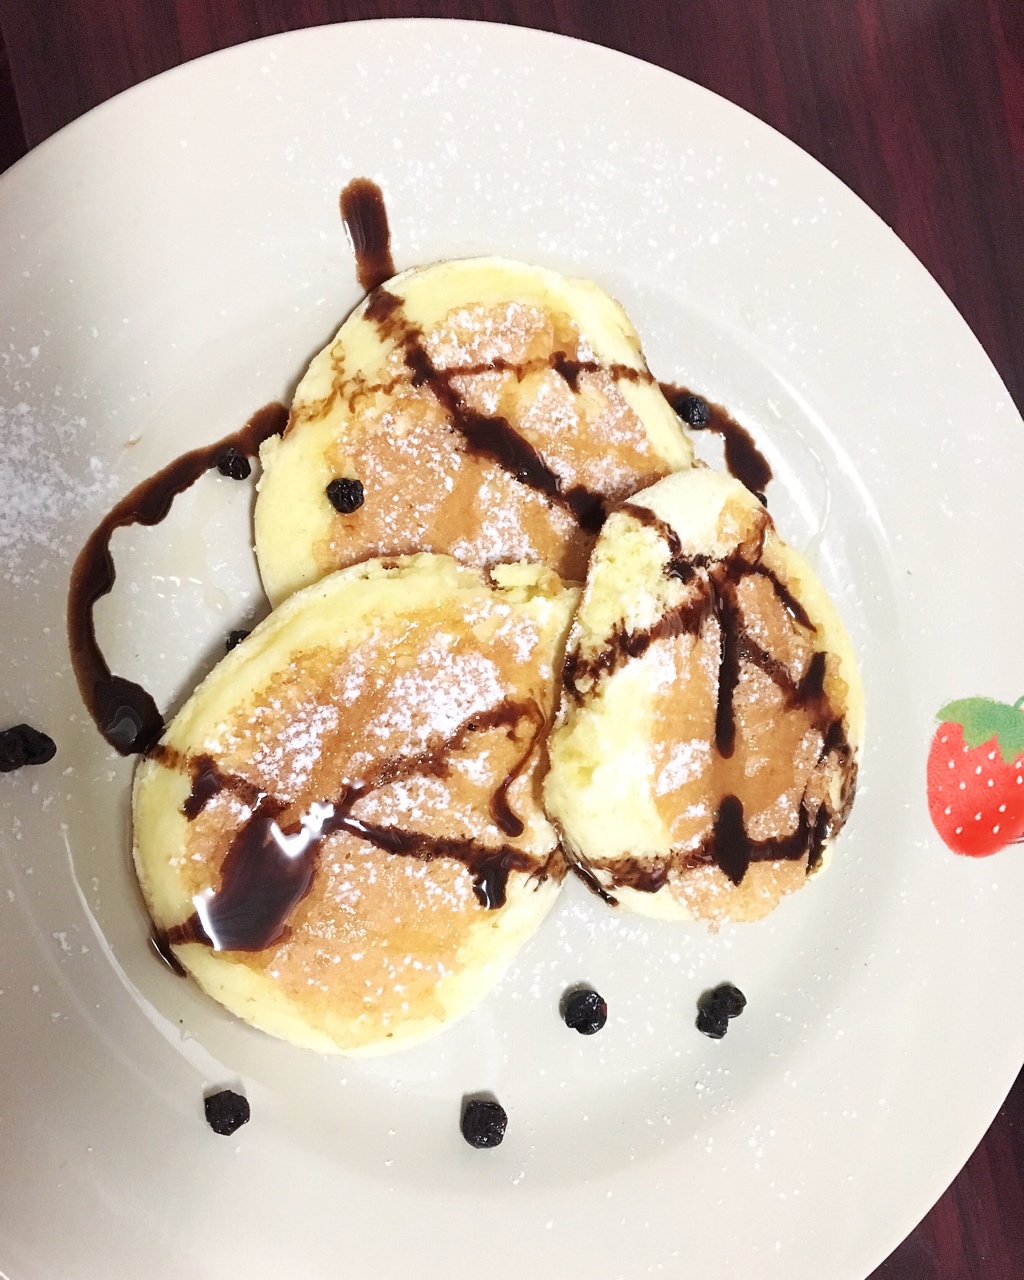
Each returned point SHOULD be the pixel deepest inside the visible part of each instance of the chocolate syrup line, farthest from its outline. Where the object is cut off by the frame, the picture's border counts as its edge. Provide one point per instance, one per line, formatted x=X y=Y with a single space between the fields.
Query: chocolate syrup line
x=683 y=567
x=732 y=849
x=159 y=942
x=208 y=780
x=269 y=867
x=686 y=618
x=743 y=459
x=728 y=846
x=489 y=436
x=630 y=873
x=679 y=566
x=125 y=713
x=785 y=597
x=586 y=874
x=494 y=437
x=366 y=222
x=570 y=370
x=727 y=611
x=501 y=812
x=732 y=844
x=206 y=783
x=715 y=596
x=645 y=516
x=357 y=389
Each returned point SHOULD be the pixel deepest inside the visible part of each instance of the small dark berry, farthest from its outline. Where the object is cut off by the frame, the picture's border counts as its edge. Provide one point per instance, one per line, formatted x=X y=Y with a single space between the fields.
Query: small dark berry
x=345 y=495
x=694 y=410
x=584 y=1011
x=234 y=464
x=729 y=999
x=483 y=1122
x=711 y=1023
x=762 y=498
x=234 y=638
x=226 y=1111
x=24 y=745
x=717 y=1006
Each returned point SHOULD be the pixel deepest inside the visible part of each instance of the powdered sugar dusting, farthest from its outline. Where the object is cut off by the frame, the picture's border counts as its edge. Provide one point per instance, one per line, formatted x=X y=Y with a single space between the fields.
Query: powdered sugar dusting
x=444 y=689
x=293 y=756
x=41 y=474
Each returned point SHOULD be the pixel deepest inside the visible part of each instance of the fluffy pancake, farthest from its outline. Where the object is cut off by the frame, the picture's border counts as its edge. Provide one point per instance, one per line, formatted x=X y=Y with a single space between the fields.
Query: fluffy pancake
x=490 y=410
x=340 y=834
x=707 y=746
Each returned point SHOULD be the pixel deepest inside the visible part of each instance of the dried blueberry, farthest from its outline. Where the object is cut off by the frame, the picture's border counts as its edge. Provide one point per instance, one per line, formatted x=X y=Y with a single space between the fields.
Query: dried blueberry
x=585 y=1011
x=234 y=464
x=694 y=410
x=730 y=999
x=234 y=638
x=711 y=1023
x=226 y=1111
x=24 y=745
x=345 y=495
x=483 y=1122
x=717 y=1006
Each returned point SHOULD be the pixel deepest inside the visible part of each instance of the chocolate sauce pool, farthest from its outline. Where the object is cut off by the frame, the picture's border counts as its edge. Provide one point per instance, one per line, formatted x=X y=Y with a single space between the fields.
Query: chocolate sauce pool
x=123 y=711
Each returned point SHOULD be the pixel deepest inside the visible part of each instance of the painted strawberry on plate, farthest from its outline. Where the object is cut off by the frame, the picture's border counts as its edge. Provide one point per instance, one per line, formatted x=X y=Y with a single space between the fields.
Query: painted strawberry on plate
x=976 y=775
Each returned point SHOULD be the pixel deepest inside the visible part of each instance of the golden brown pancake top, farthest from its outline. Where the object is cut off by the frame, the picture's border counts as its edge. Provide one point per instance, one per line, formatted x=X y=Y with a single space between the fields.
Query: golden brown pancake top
x=432 y=716
x=426 y=488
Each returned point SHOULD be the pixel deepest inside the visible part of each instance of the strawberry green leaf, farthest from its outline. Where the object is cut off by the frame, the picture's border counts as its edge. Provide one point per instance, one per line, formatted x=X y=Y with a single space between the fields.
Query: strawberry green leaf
x=983 y=719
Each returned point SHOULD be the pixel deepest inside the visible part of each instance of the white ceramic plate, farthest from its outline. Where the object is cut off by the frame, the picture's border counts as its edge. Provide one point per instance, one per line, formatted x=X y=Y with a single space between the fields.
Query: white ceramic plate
x=169 y=264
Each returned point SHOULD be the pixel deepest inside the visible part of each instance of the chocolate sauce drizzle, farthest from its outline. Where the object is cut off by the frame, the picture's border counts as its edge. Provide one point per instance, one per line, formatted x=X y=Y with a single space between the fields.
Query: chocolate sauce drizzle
x=714 y=586
x=584 y=873
x=493 y=436
x=742 y=457
x=160 y=943
x=730 y=848
x=124 y=712
x=366 y=222
x=569 y=370
x=271 y=861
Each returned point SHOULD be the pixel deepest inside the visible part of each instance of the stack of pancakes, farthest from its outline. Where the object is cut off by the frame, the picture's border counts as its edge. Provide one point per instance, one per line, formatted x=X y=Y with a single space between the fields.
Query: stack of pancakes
x=367 y=807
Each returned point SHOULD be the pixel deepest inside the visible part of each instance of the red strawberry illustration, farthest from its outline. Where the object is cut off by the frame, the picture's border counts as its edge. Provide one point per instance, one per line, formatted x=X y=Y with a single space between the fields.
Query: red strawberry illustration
x=976 y=775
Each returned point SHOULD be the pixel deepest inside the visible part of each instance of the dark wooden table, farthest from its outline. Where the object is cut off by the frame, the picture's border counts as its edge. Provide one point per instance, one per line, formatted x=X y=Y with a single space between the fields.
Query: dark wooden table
x=918 y=105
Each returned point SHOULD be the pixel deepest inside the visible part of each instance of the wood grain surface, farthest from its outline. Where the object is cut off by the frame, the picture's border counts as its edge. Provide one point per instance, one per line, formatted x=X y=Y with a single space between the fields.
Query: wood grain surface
x=918 y=105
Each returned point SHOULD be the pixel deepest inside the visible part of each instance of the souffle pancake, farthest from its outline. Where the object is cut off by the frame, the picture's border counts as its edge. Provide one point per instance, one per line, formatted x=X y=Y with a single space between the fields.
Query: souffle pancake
x=340 y=835
x=706 y=754
x=483 y=408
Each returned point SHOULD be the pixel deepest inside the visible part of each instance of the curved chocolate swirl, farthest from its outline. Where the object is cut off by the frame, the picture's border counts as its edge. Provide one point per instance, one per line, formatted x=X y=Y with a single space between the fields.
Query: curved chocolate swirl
x=123 y=711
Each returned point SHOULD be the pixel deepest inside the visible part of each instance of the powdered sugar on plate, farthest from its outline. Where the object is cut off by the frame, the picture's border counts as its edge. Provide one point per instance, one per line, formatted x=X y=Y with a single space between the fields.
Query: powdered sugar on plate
x=44 y=479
